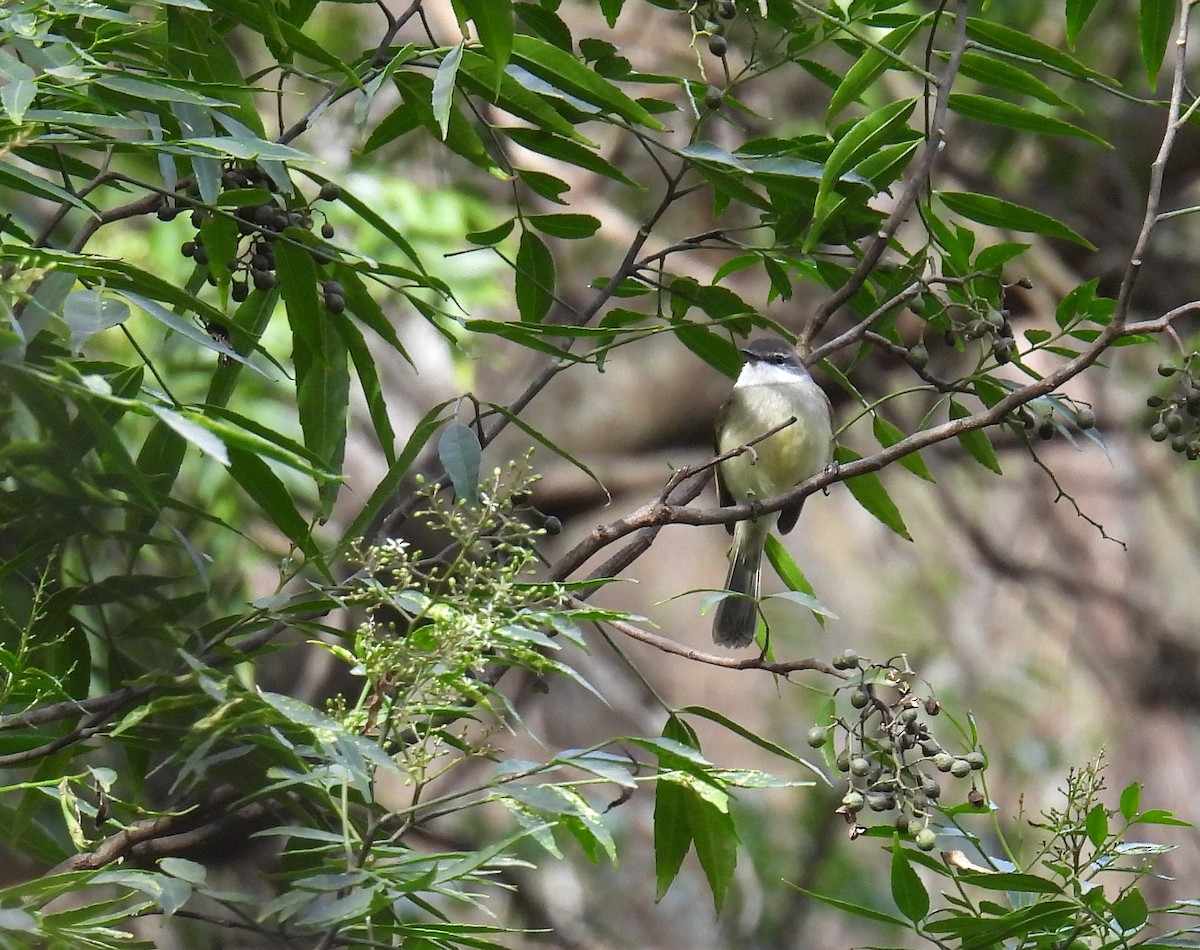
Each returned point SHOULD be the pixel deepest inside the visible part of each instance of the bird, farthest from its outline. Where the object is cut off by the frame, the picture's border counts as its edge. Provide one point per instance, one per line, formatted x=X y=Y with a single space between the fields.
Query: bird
x=773 y=389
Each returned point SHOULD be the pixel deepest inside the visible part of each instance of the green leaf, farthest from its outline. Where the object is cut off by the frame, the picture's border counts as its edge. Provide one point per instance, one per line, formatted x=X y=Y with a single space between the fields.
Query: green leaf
x=715 y=837
x=461 y=454
x=87 y=312
x=907 y=890
x=388 y=485
x=751 y=735
x=869 y=492
x=672 y=833
x=789 y=572
x=1012 y=881
x=255 y=478
x=611 y=10
x=534 y=278
x=1096 y=824
x=888 y=435
x=856 y=909
x=193 y=432
x=1131 y=796
x=568 y=226
x=321 y=361
x=1005 y=75
x=493 y=25
x=372 y=388
x=870 y=66
x=442 y=102
x=565 y=72
x=975 y=441
x=1130 y=910
x=564 y=150
x=1155 y=20
x=1078 y=12
x=999 y=213
x=479 y=76
x=864 y=138
x=545 y=440
x=492 y=236
x=1012 y=116
x=1024 y=46
x=17 y=97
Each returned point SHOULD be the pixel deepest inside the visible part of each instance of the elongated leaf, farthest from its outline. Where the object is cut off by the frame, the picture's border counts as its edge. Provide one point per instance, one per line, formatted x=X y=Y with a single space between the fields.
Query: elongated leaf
x=975 y=441
x=869 y=67
x=443 y=88
x=855 y=909
x=193 y=432
x=715 y=838
x=322 y=367
x=1006 y=75
x=889 y=434
x=493 y=25
x=271 y=495
x=1078 y=12
x=1155 y=19
x=372 y=389
x=534 y=283
x=907 y=890
x=1010 y=115
x=565 y=72
x=568 y=226
x=461 y=454
x=611 y=10
x=546 y=441
x=751 y=735
x=479 y=76
x=1006 y=39
x=999 y=213
x=789 y=572
x=396 y=472
x=869 y=492
x=865 y=137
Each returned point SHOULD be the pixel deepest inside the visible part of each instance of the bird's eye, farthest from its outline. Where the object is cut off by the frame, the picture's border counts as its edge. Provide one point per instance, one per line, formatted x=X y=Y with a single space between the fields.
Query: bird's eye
x=779 y=359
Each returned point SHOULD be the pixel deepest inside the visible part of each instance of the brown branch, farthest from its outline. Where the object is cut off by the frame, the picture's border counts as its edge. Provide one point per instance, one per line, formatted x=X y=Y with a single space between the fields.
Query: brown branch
x=666 y=645
x=660 y=513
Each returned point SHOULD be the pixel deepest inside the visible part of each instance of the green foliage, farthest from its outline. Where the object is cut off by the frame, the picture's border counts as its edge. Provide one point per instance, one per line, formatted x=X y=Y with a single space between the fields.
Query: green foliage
x=191 y=308
x=1079 y=883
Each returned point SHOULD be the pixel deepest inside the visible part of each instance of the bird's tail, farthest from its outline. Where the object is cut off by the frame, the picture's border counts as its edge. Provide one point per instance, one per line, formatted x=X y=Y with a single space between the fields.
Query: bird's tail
x=737 y=617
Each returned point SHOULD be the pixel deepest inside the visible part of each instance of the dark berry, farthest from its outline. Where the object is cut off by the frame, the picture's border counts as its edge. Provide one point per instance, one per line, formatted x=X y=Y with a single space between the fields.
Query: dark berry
x=188 y=249
x=726 y=9
x=334 y=303
x=717 y=45
x=330 y=191
x=199 y=216
x=167 y=213
x=239 y=291
x=262 y=279
x=1166 y=368
x=327 y=231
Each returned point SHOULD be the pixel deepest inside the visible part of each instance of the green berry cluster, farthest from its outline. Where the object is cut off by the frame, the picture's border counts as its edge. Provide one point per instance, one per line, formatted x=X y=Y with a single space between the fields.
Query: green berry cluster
x=886 y=749
x=1177 y=413
x=259 y=227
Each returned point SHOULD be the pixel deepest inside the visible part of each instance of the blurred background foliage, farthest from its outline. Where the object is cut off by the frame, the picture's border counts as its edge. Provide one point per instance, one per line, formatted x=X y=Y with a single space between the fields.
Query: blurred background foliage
x=1051 y=606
